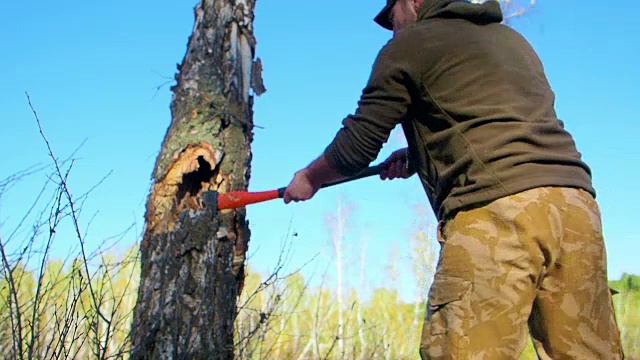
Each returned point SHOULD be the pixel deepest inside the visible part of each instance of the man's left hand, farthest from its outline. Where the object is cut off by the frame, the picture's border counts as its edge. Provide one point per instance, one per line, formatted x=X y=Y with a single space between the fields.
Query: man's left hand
x=301 y=188
x=396 y=166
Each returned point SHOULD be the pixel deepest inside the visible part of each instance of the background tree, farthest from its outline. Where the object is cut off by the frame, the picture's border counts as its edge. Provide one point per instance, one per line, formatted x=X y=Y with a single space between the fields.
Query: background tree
x=192 y=258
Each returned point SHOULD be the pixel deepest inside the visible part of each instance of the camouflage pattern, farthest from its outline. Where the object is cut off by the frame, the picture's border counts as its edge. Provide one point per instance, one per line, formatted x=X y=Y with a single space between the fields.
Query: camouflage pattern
x=535 y=260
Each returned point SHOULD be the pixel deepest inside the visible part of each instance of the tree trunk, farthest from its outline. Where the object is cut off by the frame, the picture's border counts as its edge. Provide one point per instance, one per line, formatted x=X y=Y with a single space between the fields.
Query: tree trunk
x=192 y=257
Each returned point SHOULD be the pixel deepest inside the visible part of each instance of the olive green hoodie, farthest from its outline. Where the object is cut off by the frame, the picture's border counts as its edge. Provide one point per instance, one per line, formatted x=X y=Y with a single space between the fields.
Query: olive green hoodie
x=475 y=105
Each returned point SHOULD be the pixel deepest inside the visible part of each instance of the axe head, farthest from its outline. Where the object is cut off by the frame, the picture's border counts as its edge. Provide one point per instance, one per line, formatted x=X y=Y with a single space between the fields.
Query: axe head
x=210 y=198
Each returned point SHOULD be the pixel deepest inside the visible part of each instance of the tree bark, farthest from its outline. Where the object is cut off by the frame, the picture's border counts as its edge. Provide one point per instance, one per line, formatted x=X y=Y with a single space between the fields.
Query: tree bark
x=192 y=257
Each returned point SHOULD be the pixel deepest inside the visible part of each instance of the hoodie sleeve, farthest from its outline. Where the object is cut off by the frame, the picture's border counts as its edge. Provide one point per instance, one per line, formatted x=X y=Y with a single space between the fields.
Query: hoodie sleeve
x=383 y=105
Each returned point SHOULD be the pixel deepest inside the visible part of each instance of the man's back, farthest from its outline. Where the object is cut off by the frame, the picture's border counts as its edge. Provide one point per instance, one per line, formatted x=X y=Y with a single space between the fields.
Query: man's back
x=484 y=126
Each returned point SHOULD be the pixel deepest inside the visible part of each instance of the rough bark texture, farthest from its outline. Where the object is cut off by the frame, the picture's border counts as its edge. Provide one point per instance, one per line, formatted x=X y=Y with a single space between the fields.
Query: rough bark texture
x=193 y=257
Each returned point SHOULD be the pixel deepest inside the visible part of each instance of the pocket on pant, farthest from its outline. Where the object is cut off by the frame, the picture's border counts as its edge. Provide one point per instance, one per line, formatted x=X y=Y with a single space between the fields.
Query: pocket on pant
x=448 y=305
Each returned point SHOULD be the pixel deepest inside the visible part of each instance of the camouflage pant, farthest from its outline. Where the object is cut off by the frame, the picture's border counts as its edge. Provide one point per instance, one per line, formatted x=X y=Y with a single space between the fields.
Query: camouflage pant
x=532 y=261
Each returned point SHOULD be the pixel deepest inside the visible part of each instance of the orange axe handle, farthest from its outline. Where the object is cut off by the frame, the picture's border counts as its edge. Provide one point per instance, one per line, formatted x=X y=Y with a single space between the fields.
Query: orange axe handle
x=235 y=199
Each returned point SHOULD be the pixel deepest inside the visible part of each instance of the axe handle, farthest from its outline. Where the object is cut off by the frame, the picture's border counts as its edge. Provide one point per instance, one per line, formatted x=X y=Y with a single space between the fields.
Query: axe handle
x=234 y=199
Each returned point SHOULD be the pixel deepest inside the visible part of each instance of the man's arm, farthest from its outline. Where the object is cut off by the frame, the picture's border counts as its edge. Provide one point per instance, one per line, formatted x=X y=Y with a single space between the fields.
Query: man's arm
x=396 y=166
x=320 y=172
x=382 y=106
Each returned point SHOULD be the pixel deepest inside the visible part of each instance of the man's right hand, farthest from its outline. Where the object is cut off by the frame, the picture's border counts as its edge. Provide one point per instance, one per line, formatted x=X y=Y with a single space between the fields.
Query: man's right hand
x=395 y=166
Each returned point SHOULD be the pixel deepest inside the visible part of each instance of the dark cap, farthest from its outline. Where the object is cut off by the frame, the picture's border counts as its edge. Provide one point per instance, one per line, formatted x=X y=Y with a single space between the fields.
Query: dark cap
x=383 y=18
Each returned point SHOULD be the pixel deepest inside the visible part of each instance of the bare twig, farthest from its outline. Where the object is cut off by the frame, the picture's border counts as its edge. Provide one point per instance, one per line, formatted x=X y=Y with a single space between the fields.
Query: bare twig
x=76 y=225
x=53 y=222
x=51 y=313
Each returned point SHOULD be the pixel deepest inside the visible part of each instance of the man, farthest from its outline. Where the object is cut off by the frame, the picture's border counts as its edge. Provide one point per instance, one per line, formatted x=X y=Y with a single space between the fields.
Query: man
x=522 y=244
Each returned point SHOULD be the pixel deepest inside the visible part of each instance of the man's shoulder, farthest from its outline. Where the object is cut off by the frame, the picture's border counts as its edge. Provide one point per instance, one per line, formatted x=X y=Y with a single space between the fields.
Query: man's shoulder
x=404 y=42
x=415 y=35
x=407 y=44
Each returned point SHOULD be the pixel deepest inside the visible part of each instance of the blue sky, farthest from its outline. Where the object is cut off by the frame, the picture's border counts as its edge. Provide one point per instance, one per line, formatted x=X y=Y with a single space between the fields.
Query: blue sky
x=92 y=70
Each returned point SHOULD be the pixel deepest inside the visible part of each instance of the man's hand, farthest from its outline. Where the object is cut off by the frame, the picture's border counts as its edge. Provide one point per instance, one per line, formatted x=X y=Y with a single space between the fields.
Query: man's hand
x=300 y=188
x=395 y=166
x=308 y=181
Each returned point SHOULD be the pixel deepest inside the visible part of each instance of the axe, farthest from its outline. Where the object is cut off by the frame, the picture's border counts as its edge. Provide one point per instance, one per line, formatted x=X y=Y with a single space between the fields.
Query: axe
x=235 y=199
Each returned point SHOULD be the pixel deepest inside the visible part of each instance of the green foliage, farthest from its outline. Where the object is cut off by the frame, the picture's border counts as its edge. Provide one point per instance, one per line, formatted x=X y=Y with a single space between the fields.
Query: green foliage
x=627 y=283
x=304 y=323
x=278 y=318
x=627 y=305
x=58 y=313
x=383 y=327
